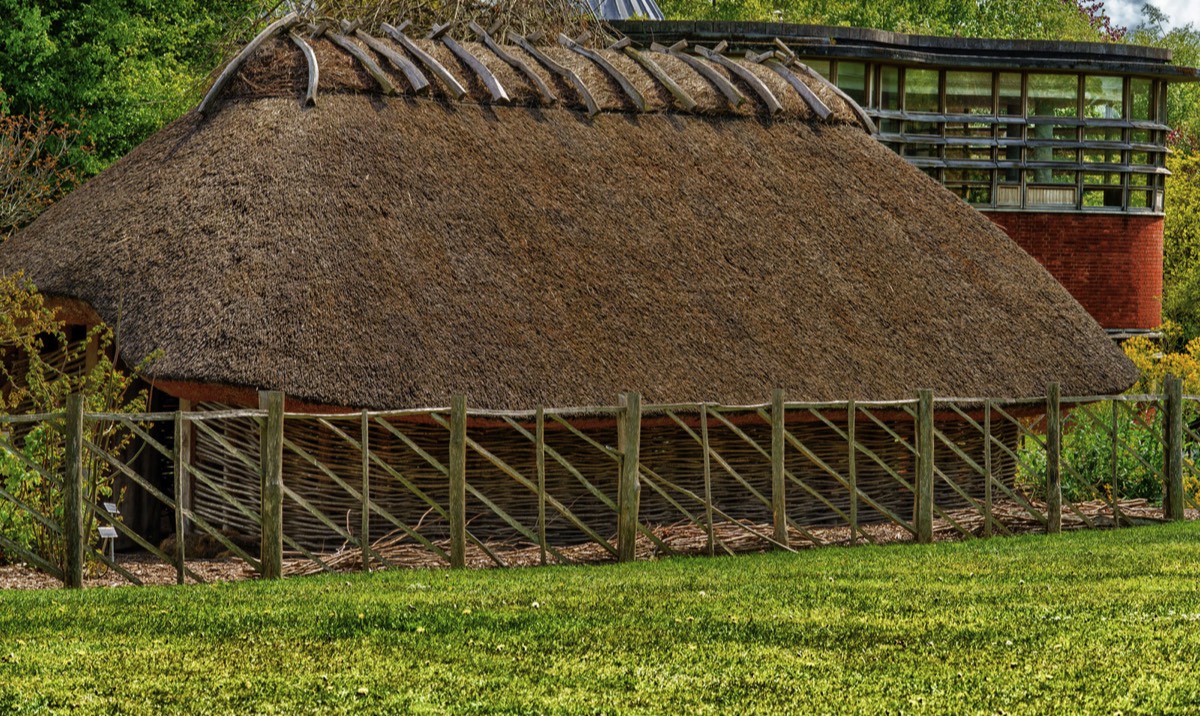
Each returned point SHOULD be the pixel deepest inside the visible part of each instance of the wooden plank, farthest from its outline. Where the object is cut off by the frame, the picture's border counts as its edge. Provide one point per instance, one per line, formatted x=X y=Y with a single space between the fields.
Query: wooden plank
x=778 y=483
x=1173 y=448
x=182 y=454
x=365 y=452
x=236 y=63
x=708 y=498
x=458 y=481
x=72 y=522
x=682 y=98
x=540 y=448
x=585 y=95
x=863 y=118
x=314 y=70
x=629 y=486
x=534 y=78
x=731 y=94
x=373 y=69
x=819 y=108
x=639 y=102
x=988 y=475
x=448 y=80
x=923 y=517
x=764 y=93
x=851 y=421
x=271 y=484
x=416 y=78
x=1053 y=459
x=489 y=80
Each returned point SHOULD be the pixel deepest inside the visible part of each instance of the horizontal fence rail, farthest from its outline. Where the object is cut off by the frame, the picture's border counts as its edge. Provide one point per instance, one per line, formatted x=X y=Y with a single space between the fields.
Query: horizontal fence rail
x=281 y=493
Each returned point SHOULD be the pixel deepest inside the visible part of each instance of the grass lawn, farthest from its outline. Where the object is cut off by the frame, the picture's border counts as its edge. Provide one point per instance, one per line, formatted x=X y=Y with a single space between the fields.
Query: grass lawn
x=1100 y=622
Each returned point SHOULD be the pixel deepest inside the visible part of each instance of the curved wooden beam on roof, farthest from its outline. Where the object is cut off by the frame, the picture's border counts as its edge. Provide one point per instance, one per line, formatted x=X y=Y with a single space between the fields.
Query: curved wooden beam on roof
x=314 y=71
x=732 y=94
x=372 y=68
x=626 y=86
x=416 y=78
x=236 y=63
x=760 y=88
x=534 y=78
x=485 y=75
x=819 y=108
x=867 y=123
x=453 y=86
x=657 y=72
x=584 y=93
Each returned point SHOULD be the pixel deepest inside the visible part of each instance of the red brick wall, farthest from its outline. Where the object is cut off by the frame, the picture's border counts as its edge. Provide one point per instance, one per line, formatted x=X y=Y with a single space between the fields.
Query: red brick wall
x=1112 y=264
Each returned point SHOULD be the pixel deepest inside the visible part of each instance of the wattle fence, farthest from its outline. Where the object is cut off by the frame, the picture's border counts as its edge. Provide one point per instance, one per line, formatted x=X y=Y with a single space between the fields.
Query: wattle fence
x=297 y=493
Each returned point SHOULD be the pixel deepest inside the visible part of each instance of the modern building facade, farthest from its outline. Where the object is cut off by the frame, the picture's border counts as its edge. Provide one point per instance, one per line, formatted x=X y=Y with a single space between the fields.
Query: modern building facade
x=1062 y=144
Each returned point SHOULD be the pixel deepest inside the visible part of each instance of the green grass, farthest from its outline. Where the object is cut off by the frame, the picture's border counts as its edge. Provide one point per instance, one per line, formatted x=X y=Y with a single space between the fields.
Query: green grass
x=1100 y=622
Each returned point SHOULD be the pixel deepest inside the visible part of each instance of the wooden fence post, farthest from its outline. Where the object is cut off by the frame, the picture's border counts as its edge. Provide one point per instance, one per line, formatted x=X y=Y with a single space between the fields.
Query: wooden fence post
x=629 y=487
x=852 y=469
x=182 y=458
x=540 y=447
x=924 y=516
x=708 y=498
x=458 y=481
x=1173 y=448
x=364 y=531
x=72 y=526
x=271 y=467
x=1053 y=459
x=987 y=469
x=778 y=485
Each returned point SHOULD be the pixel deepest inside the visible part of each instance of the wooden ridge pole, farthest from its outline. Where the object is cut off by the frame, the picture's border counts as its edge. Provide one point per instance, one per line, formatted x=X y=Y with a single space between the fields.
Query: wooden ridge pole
x=1053 y=459
x=924 y=507
x=629 y=487
x=1173 y=448
x=271 y=468
x=778 y=485
x=458 y=481
x=73 y=494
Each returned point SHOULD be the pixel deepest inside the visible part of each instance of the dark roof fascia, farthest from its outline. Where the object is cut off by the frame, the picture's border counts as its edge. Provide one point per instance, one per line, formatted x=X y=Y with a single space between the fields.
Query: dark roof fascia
x=860 y=43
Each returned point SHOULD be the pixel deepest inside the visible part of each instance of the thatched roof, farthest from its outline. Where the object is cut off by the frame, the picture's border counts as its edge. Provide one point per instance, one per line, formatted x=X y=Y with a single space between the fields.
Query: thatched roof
x=388 y=252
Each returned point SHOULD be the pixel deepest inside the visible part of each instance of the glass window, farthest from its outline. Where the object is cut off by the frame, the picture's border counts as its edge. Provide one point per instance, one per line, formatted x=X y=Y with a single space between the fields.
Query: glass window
x=889 y=126
x=852 y=79
x=1141 y=99
x=1009 y=92
x=1139 y=180
x=1102 y=134
x=1053 y=96
x=923 y=128
x=1046 y=131
x=821 y=66
x=889 y=87
x=967 y=152
x=1140 y=199
x=1103 y=97
x=1049 y=176
x=968 y=92
x=1140 y=136
x=921 y=90
x=1101 y=156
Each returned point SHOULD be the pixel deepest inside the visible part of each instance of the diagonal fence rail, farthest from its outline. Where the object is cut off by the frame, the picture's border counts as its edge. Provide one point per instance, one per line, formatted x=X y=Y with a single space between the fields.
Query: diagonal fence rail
x=299 y=493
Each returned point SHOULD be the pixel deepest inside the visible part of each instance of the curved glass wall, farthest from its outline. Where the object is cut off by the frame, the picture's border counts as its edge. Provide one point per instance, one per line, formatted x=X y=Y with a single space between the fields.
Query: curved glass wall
x=1033 y=140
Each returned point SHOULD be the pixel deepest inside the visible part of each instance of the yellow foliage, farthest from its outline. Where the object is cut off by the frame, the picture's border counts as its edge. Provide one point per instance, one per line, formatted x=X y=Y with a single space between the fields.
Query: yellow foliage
x=1155 y=363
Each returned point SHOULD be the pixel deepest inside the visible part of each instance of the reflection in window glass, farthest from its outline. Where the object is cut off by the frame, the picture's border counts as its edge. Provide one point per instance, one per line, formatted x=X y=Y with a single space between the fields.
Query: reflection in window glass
x=1049 y=176
x=1141 y=99
x=1102 y=134
x=1009 y=91
x=1104 y=97
x=889 y=87
x=921 y=90
x=1053 y=96
x=821 y=66
x=852 y=79
x=968 y=92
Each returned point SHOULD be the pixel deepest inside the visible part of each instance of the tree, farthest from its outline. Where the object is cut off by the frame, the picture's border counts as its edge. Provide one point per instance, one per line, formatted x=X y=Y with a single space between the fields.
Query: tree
x=117 y=70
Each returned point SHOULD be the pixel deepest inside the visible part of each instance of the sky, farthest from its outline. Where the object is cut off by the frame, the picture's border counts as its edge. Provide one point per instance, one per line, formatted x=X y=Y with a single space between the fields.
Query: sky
x=1127 y=13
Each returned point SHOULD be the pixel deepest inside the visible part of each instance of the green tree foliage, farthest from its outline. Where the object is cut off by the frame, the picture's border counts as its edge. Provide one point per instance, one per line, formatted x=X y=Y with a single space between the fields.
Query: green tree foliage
x=1025 y=19
x=1183 y=101
x=130 y=66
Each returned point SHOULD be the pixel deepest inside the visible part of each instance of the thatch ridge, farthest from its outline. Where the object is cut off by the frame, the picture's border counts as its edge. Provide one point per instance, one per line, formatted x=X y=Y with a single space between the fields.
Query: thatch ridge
x=278 y=69
x=388 y=253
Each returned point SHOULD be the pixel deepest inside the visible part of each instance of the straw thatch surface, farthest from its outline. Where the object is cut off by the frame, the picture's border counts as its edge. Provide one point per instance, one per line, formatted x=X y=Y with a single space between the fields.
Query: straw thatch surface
x=390 y=252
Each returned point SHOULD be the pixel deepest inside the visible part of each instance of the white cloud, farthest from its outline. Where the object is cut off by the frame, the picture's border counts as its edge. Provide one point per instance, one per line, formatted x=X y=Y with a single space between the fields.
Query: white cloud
x=1128 y=13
